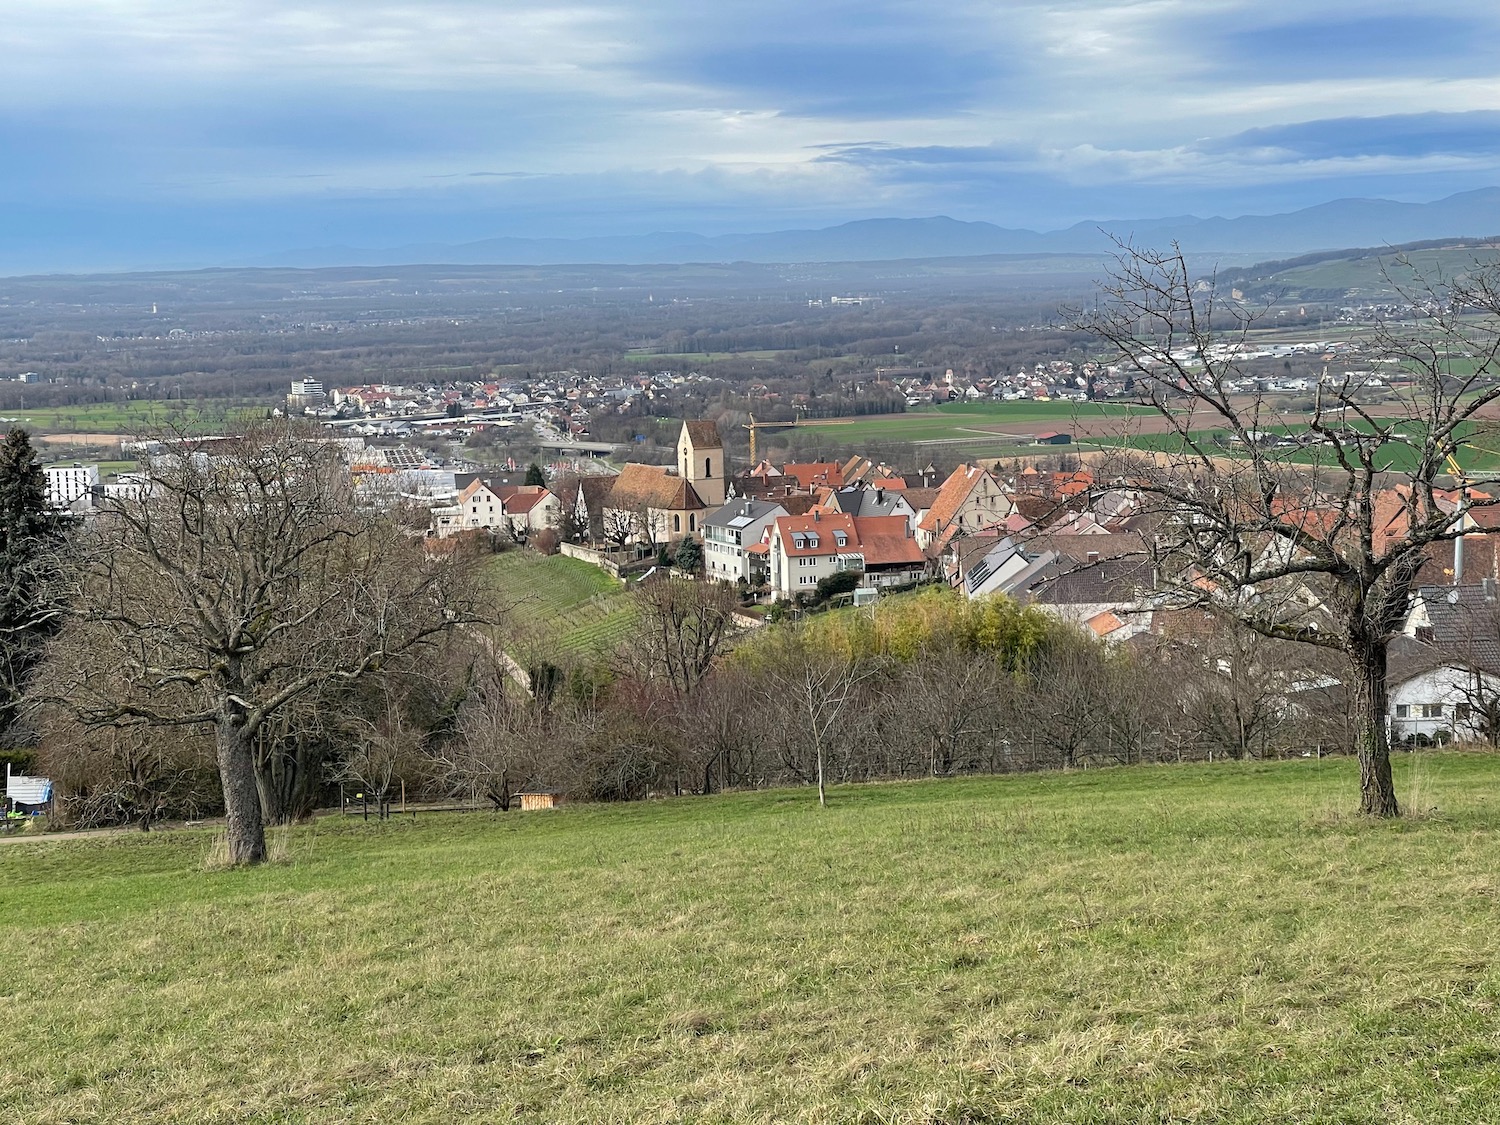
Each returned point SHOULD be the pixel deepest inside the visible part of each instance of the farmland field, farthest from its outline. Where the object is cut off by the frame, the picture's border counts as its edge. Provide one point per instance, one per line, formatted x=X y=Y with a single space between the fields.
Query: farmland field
x=977 y=422
x=1166 y=943
x=576 y=606
x=137 y=417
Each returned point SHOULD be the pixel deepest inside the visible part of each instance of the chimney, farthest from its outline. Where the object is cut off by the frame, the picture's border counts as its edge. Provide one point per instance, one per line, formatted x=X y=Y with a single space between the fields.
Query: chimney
x=879 y=497
x=1489 y=589
x=816 y=515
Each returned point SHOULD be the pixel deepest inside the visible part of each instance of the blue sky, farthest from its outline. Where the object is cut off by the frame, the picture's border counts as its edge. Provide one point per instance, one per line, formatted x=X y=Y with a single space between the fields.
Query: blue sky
x=159 y=132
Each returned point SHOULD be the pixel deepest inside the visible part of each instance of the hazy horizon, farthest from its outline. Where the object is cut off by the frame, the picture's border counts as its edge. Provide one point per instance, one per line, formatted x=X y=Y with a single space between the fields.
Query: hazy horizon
x=162 y=133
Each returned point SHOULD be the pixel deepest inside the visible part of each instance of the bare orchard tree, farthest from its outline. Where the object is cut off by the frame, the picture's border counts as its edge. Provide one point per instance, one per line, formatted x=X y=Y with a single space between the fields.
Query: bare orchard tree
x=498 y=742
x=381 y=748
x=815 y=697
x=243 y=579
x=1309 y=528
x=682 y=626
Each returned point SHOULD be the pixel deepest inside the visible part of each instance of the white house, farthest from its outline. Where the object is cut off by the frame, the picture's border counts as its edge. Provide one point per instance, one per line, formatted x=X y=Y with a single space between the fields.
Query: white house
x=804 y=549
x=729 y=534
x=1444 y=669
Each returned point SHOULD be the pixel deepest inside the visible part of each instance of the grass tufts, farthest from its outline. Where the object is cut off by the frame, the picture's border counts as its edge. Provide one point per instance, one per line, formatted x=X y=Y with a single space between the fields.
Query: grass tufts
x=1227 y=943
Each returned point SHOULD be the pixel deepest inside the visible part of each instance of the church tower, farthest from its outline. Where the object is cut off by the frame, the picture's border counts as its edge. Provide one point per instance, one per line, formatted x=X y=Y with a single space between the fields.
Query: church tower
x=700 y=461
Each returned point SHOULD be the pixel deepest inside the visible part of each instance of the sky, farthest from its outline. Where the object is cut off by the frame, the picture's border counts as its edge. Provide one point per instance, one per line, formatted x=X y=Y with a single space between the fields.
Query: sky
x=145 y=133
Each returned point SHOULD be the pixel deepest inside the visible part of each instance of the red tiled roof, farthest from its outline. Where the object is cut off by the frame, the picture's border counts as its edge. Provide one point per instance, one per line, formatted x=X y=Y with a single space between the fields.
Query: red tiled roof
x=524 y=498
x=822 y=525
x=884 y=541
x=1103 y=624
x=828 y=473
x=652 y=486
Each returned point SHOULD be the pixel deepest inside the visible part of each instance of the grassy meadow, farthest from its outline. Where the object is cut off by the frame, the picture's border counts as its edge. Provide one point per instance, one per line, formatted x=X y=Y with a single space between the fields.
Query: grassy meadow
x=136 y=417
x=962 y=421
x=1189 y=943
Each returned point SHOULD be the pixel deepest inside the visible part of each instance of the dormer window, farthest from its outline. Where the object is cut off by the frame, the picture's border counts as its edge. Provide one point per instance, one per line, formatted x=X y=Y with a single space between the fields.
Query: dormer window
x=843 y=540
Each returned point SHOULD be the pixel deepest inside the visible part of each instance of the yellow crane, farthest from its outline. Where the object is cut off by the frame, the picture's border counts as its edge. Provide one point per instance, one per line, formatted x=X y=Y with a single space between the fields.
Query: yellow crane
x=753 y=426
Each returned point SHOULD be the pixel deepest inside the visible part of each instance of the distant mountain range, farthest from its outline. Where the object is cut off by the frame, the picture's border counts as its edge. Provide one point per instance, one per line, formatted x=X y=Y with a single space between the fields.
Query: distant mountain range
x=1343 y=222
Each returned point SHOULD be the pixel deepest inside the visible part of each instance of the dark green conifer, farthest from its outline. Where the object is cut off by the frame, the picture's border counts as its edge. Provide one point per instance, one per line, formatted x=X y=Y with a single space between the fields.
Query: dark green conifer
x=31 y=535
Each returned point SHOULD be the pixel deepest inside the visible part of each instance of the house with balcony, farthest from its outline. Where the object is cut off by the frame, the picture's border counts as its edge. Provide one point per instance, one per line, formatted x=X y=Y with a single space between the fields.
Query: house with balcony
x=803 y=550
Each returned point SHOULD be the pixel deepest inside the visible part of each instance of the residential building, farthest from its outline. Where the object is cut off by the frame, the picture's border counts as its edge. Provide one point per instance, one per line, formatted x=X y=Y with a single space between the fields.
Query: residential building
x=873 y=501
x=970 y=500
x=1444 y=670
x=477 y=506
x=888 y=545
x=71 y=488
x=804 y=549
x=729 y=534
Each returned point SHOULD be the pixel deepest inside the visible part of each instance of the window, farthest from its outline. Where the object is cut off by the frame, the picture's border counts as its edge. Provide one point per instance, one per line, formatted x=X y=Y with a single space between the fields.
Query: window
x=841 y=538
x=1461 y=712
x=1432 y=710
x=708 y=466
x=1402 y=710
x=692 y=522
x=676 y=523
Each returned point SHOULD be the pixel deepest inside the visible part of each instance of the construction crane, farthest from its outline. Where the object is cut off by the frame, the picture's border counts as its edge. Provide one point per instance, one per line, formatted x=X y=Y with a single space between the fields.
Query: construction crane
x=753 y=426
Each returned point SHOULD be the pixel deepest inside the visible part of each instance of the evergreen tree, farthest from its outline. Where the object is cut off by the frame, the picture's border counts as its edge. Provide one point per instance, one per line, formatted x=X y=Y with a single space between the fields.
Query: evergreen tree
x=534 y=475
x=689 y=555
x=30 y=536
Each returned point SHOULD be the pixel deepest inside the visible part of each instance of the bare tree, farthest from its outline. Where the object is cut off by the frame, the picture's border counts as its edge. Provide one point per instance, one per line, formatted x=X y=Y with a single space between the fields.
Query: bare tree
x=381 y=748
x=1307 y=538
x=681 y=629
x=816 y=694
x=620 y=527
x=497 y=747
x=126 y=775
x=242 y=580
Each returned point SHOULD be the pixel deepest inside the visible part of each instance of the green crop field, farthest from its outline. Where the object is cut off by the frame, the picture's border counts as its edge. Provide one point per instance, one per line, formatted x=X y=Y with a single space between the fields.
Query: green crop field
x=976 y=423
x=577 y=606
x=1220 y=944
x=141 y=416
x=1481 y=458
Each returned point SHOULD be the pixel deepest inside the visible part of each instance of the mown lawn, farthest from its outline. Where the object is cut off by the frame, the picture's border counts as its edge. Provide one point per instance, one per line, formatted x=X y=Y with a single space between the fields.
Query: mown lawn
x=1194 y=943
x=577 y=607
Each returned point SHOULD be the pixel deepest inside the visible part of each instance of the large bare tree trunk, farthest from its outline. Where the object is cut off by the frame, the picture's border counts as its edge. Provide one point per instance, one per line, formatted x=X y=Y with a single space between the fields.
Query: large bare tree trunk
x=245 y=828
x=1377 y=792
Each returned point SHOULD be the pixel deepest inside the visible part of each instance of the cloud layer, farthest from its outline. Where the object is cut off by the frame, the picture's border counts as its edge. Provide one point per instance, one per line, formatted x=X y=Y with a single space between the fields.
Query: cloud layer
x=165 y=130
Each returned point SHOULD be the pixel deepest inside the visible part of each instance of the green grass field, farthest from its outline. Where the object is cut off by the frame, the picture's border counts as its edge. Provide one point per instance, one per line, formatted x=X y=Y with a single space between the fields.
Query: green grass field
x=1187 y=943
x=1481 y=458
x=976 y=423
x=579 y=608
x=128 y=419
